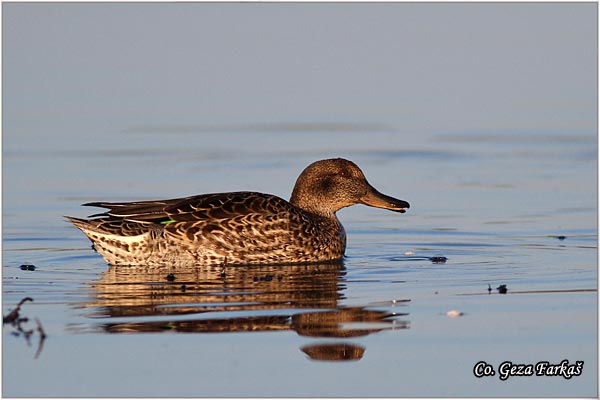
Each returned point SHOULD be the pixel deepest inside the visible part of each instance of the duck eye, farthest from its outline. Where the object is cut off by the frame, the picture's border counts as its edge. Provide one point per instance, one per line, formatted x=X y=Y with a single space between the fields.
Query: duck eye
x=344 y=174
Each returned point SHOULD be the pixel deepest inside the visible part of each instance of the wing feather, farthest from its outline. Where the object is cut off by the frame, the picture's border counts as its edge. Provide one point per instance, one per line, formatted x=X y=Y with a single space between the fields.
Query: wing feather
x=213 y=206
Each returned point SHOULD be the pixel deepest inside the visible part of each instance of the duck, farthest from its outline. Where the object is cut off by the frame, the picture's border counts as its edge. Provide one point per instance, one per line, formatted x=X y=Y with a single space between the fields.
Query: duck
x=237 y=228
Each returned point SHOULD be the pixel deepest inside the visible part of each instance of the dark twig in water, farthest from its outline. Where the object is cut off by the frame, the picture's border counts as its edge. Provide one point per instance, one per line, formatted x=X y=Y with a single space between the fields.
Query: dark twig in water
x=13 y=316
x=26 y=333
x=17 y=322
x=42 y=338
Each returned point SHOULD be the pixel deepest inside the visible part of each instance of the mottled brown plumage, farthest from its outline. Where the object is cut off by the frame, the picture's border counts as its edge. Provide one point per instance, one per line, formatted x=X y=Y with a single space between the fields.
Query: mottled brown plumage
x=237 y=227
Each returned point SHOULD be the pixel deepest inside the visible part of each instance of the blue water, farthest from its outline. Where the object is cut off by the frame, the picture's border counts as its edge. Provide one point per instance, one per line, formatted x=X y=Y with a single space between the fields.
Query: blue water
x=374 y=326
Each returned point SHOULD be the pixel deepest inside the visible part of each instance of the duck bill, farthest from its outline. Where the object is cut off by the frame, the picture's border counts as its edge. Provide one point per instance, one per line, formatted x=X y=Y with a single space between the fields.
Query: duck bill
x=374 y=198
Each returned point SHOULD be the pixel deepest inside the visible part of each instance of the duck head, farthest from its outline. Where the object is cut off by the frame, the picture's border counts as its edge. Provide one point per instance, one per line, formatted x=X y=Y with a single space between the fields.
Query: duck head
x=326 y=186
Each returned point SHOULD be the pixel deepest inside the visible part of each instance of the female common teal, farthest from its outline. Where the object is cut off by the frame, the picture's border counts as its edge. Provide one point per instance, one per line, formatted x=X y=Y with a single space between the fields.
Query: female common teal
x=238 y=227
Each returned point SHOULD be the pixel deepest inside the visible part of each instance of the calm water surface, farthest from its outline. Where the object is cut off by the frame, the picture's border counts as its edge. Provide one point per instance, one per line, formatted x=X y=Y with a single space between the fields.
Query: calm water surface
x=514 y=210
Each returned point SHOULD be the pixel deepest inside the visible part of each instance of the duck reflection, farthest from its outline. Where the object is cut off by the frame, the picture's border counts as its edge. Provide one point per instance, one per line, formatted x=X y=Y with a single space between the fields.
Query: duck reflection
x=334 y=352
x=302 y=298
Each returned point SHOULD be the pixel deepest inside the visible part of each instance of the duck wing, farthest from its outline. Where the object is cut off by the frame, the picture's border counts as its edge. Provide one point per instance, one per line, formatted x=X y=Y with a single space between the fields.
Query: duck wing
x=147 y=211
x=241 y=227
x=213 y=206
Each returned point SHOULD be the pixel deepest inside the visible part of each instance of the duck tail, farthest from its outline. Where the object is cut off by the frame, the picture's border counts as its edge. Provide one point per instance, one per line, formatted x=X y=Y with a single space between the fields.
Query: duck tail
x=119 y=242
x=80 y=223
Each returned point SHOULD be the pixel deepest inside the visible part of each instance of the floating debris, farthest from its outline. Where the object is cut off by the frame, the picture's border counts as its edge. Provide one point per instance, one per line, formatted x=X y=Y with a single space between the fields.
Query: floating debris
x=409 y=253
x=455 y=313
x=42 y=338
x=16 y=321
x=559 y=237
x=170 y=277
x=27 y=267
x=438 y=259
x=13 y=316
x=502 y=289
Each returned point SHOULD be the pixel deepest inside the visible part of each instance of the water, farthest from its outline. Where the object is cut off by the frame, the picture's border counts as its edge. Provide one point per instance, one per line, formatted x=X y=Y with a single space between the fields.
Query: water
x=515 y=210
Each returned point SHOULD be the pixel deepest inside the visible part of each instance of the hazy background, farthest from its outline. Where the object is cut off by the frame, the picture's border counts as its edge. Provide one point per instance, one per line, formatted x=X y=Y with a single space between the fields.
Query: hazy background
x=98 y=71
